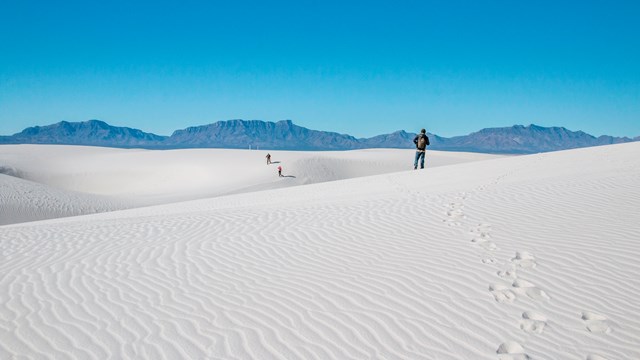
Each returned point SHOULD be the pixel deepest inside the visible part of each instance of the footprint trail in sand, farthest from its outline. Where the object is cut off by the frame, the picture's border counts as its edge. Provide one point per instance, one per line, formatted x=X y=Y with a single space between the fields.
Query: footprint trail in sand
x=517 y=287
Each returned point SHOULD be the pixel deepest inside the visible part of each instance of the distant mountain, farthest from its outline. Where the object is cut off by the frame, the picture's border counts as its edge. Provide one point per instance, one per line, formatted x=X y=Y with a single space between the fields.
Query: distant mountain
x=285 y=135
x=520 y=139
x=241 y=134
x=92 y=132
x=399 y=139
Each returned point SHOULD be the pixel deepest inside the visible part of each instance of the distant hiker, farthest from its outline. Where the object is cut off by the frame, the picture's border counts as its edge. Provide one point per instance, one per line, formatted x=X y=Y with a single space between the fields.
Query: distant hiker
x=279 y=171
x=421 y=140
x=268 y=158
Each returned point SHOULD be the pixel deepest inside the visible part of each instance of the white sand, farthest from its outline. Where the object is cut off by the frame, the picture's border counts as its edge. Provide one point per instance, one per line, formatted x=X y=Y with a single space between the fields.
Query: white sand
x=23 y=200
x=510 y=258
x=74 y=180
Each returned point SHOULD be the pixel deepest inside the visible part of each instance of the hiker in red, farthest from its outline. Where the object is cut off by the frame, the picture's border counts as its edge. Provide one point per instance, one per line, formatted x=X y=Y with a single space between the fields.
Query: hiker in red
x=279 y=171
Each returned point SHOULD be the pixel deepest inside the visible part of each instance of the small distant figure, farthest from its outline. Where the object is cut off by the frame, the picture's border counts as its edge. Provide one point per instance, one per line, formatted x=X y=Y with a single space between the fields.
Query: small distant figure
x=422 y=141
x=279 y=171
x=268 y=158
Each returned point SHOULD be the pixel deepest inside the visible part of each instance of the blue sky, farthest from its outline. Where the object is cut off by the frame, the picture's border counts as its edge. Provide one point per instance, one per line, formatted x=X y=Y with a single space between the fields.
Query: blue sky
x=357 y=67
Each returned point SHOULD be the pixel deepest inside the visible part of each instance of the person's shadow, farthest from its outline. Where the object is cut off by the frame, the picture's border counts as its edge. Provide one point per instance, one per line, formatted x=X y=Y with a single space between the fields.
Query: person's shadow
x=275 y=162
x=289 y=176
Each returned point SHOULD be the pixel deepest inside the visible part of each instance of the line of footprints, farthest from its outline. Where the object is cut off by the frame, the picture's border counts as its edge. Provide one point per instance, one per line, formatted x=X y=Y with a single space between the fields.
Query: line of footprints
x=513 y=286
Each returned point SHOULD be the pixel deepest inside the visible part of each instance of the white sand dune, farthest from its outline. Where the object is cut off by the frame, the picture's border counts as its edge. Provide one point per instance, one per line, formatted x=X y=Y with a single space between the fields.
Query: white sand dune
x=23 y=200
x=531 y=257
x=77 y=180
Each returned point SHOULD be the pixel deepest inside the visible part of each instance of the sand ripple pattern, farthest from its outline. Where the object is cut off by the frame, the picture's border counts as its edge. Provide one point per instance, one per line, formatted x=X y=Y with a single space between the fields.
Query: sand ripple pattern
x=381 y=267
x=329 y=281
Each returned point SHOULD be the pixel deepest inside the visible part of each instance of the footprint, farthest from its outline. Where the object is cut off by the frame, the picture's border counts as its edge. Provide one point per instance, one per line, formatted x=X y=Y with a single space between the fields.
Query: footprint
x=533 y=322
x=485 y=244
x=483 y=227
x=480 y=232
x=524 y=287
x=511 y=350
x=596 y=323
x=509 y=272
x=455 y=213
x=524 y=260
x=595 y=357
x=502 y=293
x=489 y=261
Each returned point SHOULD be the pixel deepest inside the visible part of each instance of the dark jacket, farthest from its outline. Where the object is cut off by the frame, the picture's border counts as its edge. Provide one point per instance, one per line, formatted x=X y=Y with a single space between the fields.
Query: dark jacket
x=415 y=141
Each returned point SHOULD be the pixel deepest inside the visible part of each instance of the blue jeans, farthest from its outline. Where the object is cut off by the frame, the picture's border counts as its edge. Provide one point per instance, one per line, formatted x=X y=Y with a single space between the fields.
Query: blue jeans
x=419 y=156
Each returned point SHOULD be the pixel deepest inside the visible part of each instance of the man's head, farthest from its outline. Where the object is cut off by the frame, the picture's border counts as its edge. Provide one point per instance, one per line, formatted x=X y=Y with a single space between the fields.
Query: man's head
x=423 y=131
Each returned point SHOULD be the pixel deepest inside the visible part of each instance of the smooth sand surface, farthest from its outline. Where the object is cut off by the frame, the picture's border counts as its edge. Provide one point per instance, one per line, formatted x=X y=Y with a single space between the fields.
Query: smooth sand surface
x=49 y=181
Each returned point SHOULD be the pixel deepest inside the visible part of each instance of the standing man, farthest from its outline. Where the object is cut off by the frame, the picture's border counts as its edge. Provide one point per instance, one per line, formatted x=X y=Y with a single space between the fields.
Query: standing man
x=268 y=158
x=279 y=171
x=421 y=140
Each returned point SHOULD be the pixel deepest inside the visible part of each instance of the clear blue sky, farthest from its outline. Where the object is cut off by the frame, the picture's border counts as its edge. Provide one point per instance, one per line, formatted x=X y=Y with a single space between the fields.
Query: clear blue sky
x=357 y=67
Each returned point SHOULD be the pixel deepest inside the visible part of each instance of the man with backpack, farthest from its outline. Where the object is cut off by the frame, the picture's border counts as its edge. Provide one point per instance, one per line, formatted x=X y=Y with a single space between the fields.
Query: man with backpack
x=421 y=140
